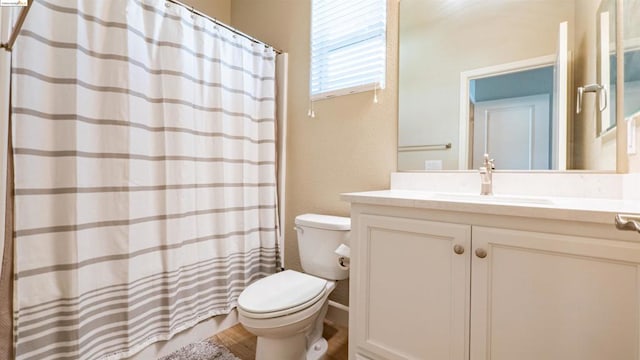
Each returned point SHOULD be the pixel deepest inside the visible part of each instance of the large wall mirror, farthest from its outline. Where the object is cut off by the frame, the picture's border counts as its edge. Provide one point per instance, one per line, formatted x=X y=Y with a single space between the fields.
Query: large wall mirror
x=532 y=83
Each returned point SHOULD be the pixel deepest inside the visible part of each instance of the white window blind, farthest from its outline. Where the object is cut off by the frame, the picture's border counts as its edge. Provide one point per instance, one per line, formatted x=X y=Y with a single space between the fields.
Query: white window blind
x=348 y=46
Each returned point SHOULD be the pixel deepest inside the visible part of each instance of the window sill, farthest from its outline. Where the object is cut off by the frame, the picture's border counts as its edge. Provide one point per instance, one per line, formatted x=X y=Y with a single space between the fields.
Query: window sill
x=347 y=91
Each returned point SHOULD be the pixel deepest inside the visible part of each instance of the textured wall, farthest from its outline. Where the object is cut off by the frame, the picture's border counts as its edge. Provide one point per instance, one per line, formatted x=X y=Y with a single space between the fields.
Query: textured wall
x=219 y=9
x=350 y=145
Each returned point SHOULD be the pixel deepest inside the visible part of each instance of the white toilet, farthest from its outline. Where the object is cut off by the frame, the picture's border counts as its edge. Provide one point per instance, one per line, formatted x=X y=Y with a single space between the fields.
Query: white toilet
x=286 y=310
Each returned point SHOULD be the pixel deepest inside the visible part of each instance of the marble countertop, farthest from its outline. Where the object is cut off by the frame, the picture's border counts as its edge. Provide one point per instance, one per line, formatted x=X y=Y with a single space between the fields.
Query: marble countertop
x=596 y=210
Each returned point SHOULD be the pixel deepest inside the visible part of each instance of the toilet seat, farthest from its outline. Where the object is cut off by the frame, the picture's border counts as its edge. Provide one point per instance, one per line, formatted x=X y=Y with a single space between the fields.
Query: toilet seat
x=281 y=294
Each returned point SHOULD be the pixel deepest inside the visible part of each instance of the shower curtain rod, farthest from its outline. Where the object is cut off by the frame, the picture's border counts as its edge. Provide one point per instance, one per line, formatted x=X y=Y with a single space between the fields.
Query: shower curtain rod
x=16 y=30
x=235 y=31
x=23 y=15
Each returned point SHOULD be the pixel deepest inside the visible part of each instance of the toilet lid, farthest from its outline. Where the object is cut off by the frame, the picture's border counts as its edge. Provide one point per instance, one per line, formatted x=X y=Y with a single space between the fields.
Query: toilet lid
x=327 y=222
x=280 y=291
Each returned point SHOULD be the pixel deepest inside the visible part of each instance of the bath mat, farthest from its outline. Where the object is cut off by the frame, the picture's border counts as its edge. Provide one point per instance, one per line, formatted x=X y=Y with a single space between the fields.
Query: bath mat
x=202 y=350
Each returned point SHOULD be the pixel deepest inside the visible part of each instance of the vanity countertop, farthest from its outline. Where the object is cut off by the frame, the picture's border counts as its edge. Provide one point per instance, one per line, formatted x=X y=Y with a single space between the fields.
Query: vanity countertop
x=557 y=208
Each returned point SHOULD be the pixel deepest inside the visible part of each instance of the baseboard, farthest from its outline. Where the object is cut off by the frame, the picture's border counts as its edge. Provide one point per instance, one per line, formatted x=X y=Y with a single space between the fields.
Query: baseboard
x=338 y=314
x=199 y=332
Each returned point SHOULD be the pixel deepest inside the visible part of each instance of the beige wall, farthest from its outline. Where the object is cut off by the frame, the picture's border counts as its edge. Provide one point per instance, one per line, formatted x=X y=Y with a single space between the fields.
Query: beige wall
x=441 y=39
x=351 y=143
x=591 y=151
x=218 y=9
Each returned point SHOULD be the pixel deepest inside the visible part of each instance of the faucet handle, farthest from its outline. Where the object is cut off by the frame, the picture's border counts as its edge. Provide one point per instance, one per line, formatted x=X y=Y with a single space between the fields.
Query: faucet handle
x=489 y=163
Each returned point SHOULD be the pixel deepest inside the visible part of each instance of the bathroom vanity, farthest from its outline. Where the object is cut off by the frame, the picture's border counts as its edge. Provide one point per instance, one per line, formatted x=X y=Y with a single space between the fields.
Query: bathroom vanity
x=441 y=275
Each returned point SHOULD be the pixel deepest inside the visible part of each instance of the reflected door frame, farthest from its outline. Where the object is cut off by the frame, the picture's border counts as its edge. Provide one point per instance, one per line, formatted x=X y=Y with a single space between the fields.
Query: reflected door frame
x=464 y=155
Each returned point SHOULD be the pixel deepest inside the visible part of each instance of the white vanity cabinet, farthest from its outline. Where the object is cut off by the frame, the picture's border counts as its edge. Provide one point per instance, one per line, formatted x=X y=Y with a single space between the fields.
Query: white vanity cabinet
x=433 y=284
x=543 y=296
x=410 y=292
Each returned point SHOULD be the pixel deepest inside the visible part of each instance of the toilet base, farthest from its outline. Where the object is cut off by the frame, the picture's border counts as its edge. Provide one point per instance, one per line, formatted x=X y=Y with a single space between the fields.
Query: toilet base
x=290 y=348
x=317 y=350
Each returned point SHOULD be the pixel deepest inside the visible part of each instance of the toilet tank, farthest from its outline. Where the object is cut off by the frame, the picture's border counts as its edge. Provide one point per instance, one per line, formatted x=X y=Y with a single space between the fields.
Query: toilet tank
x=318 y=238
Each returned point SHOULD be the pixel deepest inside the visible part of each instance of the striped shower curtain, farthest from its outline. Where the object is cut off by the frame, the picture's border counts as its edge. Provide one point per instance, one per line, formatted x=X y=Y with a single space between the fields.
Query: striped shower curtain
x=145 y=195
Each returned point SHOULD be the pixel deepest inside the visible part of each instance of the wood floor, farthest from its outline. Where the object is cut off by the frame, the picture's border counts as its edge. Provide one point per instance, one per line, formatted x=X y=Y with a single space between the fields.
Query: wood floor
x=243 y=344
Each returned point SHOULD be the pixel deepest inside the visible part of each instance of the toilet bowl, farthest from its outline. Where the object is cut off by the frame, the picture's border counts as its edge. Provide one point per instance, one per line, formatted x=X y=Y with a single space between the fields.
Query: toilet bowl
x=286 y=310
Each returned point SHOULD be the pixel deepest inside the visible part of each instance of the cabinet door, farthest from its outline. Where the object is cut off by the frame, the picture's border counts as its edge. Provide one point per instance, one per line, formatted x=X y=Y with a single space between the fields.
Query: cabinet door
x=410 y=289
x=543 y=296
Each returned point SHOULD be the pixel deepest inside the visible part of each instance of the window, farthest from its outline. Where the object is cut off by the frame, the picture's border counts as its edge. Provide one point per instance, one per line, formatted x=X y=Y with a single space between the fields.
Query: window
x=348 y=46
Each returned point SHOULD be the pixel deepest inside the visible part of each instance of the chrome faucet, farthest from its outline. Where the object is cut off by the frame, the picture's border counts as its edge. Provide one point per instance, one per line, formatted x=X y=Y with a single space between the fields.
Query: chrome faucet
x=486 y=178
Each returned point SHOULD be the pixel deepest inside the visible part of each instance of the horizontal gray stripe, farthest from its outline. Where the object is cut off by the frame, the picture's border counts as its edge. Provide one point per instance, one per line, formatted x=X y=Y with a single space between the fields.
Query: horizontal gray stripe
x=119 y=90
x=113 y=189
x=132 y=255
x=143 y=66
x=137 y=314
x=168 y=323
x=149 y=40
x=100 y=224
x=157 y=317
x=93 y=314
x=136 y=309
x=92 y=155
x=187 y=277
x=167 y=326
x=220 y=294
x=137 y=284
x=95 y=298
x=113 y=122
x=134 y=299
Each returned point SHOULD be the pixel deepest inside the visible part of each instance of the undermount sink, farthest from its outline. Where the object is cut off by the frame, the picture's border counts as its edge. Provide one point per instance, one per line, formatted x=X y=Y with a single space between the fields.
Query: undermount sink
x=491 y=199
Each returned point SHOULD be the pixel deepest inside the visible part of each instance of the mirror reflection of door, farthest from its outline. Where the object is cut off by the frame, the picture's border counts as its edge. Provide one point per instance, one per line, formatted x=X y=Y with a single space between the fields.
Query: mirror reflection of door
x=514 y=131
x=512 y=119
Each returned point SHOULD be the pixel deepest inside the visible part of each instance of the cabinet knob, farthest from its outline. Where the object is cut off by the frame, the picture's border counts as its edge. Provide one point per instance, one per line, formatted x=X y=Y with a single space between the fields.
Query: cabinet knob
x=481 y=253
x=458 y=249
